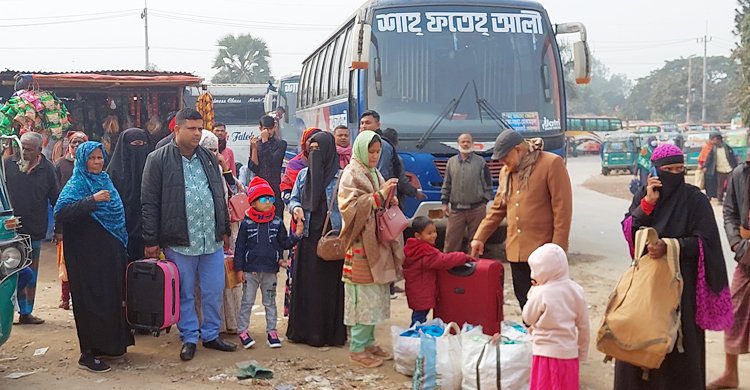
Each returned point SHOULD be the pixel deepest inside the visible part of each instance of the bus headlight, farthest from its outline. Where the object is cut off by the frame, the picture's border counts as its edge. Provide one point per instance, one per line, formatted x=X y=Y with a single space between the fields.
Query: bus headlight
x=10 y=258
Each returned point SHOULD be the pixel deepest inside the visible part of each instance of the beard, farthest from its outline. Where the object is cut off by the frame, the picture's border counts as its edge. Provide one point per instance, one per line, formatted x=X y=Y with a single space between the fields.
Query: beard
x=466 y=150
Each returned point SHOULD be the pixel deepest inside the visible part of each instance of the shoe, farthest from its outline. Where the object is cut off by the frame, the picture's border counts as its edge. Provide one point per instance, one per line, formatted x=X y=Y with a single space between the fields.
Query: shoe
x=220 y=345
x=365 y=360
x=246 y=340
x=89 y=362
x=379 y=353
x=30 y=319
x=65 y=305
x=187 y=352
x=398 y=289
x=273 y=339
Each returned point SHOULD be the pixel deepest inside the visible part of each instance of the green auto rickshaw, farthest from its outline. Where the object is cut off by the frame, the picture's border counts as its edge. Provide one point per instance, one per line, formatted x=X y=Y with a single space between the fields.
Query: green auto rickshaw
x=694 y=143
x=738 y=139
x=619 y=152
x=15 y=248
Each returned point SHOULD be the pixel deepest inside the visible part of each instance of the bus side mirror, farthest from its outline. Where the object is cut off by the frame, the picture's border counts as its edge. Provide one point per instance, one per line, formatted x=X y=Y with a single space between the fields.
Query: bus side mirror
x=581 y=54
x=361 y=35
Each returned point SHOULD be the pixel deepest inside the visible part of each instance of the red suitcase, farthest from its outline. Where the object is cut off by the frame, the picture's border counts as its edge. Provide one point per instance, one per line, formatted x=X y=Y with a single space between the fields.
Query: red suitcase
x=153 y=295
x=473 y=294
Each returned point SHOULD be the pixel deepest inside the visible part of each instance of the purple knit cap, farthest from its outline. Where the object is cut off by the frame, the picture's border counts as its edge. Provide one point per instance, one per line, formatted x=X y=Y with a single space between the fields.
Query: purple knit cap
x=667 y=154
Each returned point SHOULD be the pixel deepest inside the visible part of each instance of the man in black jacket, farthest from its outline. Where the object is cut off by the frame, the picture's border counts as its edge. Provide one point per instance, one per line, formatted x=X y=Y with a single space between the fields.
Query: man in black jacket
x=719 y=164
x=185 y=213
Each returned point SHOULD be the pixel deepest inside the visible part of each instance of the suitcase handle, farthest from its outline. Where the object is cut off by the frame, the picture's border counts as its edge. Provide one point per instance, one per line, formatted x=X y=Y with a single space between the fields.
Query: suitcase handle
x=463 y=270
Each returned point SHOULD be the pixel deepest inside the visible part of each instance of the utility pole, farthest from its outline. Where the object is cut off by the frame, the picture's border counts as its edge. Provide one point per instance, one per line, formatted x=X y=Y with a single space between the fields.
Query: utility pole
x=689 y=89
x=704 y=41
x=144 y=16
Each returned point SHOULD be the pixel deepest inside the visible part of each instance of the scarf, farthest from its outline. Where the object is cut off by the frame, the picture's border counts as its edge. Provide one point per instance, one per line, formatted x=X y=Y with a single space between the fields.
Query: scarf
x=261 y=217
x=323 y=167
x=84 y=184
x=524 y=169
x=345 y=155
x=126 y=171
x=306 y=136
x=360 y=150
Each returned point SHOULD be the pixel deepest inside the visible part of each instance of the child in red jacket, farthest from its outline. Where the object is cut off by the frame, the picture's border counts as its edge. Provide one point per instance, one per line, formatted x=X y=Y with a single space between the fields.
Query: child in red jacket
x=422 y=262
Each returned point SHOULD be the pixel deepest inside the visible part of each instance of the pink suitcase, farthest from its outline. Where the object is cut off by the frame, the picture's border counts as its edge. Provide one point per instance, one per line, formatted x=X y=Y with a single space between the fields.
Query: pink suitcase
x=153 y=295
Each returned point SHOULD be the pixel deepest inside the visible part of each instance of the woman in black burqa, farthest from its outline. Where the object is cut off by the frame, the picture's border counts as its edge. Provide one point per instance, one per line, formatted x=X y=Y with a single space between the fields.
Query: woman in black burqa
x=679 y=210
x=126 y=170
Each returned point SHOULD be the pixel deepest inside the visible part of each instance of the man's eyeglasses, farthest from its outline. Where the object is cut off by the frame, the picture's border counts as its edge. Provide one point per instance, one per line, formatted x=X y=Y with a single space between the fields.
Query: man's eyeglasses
x=267 y=199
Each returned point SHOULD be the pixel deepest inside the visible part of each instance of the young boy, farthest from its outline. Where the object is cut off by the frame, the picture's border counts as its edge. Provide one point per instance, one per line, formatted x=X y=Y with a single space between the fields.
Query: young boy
x=260 y=241
x=422 y=262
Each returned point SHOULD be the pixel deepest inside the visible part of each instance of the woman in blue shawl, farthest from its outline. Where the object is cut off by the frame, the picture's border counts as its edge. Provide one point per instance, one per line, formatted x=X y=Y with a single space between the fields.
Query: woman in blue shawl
x=93 y=219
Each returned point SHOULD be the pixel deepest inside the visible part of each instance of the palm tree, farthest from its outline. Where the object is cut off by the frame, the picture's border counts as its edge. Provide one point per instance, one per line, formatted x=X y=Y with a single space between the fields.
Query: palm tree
x=242 y=59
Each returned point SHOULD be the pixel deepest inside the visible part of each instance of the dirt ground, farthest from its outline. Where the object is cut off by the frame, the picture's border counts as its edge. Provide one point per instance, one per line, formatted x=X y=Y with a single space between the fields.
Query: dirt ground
x=154 y=362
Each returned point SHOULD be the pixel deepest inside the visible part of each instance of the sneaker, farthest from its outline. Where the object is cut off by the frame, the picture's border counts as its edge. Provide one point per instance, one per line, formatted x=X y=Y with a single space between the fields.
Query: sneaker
x=29 y=319
x=246 y=340
x=273 y=339
x=90 y=363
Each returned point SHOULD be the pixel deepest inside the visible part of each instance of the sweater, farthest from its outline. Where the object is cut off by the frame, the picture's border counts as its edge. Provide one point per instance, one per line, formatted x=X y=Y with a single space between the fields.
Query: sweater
x=259 y=246
x=421 y=265
x=556 y=307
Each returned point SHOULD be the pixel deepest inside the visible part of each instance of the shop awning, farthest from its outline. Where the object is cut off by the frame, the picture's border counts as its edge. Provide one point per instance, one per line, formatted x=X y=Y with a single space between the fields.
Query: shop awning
x=110 y=79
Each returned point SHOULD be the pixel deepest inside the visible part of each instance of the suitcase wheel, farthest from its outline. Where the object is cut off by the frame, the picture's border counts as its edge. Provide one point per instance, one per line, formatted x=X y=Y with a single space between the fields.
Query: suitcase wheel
x=155 y=333
x=168 y=329
x=132 y=331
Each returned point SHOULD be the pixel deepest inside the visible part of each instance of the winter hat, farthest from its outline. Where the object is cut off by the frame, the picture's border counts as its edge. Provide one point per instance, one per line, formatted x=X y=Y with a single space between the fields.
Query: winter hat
x=258 y=187
x=667 y=154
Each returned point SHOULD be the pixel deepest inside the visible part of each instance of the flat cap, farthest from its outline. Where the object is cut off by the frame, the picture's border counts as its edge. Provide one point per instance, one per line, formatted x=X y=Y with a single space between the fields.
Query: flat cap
x=506 y=141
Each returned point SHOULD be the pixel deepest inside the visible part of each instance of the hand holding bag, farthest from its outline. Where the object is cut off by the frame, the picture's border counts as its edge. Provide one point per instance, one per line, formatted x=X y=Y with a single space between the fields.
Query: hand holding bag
x=330 y=247
x=391 y=221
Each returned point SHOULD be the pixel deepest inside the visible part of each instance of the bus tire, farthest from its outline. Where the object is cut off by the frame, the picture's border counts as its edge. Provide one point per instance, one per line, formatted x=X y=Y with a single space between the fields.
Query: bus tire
x=605 y=171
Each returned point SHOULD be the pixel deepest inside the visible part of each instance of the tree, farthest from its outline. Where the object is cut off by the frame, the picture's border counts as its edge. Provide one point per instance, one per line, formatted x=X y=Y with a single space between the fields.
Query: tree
x=604 y=95
x=662 y=95
x=741 y=93
x=242 y=60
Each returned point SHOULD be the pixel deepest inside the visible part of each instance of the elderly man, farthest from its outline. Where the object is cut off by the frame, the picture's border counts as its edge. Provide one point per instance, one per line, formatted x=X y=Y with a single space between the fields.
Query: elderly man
x=185 y=212
x=535 y=195
x=32 y=185
x=720 y=162
x=467 y=187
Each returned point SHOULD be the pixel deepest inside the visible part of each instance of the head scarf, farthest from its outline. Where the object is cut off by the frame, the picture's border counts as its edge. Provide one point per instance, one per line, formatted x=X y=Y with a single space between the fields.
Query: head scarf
x=667 y=154
x=209 y=140
x=322 y=169
x=83 y=184
x=126 y=171
x=306 y=135
x=70 y=155
x=361 y=148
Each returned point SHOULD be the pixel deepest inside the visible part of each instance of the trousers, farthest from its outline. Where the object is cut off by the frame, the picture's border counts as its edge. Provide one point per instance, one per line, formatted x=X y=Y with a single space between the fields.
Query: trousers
x=267 y=282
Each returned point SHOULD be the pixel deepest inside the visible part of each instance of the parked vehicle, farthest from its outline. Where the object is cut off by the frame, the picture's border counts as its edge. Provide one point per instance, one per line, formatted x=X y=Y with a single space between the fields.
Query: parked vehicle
x=620 y=152
x=738 y=140
x=15 y=248
x=694 y=142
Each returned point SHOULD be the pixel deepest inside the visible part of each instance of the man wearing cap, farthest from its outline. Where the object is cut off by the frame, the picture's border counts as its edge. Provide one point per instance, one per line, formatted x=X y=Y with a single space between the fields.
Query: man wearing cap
x=720 y=162
x=535 y=195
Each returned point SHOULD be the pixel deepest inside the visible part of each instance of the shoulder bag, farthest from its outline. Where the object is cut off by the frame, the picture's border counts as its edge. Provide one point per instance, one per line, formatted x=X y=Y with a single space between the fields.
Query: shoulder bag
x=237 y=204
x=330 y=247
x=391 y=221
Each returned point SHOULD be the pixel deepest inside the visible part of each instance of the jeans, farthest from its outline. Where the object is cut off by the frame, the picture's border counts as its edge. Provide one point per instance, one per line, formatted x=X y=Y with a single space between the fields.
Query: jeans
x=267 y=283
x=363 y=336
x=521 y=281
x=26 y=291
x=208 y=270
x=418 y=316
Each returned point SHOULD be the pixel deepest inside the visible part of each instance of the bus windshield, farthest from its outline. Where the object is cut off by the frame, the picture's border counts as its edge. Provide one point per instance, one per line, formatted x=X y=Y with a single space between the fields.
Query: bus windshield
x=422 y=59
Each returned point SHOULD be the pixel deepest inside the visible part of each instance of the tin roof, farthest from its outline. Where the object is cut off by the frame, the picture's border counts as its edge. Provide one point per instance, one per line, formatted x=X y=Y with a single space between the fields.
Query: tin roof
x=104 y=78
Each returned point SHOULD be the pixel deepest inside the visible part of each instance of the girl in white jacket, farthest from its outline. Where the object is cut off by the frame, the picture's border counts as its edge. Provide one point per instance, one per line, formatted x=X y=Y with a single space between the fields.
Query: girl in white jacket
x=557 y=314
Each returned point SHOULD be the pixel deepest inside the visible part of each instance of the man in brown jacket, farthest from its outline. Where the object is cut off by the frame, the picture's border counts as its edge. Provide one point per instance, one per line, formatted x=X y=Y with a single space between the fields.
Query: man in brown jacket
x=535 y=195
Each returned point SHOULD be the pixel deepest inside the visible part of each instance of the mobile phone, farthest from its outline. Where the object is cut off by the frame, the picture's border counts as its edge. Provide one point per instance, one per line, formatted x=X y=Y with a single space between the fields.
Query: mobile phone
x=654 y=172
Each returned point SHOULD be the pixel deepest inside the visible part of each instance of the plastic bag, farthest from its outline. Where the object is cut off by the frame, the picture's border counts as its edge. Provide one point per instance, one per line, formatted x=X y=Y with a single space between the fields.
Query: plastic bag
x=700 y=179
x=511 y=357
x=406 y=343
x=439 y=361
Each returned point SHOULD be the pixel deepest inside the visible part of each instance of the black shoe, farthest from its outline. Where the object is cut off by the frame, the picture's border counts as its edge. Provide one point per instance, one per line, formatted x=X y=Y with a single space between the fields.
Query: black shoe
x=89 y=362
x=187 y=352
x=220 y=345
x=30 y=319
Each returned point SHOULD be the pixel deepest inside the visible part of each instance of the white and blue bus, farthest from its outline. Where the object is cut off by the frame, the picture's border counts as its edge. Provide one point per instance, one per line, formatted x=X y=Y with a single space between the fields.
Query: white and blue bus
x=434 y=69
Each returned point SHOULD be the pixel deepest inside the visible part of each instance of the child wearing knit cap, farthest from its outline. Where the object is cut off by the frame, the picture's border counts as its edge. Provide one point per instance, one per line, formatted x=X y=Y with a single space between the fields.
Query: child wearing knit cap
x=261 y=239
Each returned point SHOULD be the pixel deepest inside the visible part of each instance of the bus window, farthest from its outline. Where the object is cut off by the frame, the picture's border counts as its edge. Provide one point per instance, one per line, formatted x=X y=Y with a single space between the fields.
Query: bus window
x=602 y=125
x=333 y=87
x=344 y=69
x=325 y=71
x=589 y=124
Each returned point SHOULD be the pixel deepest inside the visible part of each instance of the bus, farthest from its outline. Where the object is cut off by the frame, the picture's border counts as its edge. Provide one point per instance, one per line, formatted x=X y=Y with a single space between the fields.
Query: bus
x=284 y=94
x=434 y=69
x=240 y=107
x=587 y=132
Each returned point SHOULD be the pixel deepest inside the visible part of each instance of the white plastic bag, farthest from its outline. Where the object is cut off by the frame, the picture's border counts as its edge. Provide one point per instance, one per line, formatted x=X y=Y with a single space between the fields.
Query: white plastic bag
x=406 y=349
x=515 y=363
x=479 y=358
x=439 y=361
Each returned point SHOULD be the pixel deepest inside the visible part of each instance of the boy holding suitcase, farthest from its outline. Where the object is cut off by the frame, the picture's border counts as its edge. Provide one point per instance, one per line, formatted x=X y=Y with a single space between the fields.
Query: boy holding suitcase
x=260 y=241
x=421 y=264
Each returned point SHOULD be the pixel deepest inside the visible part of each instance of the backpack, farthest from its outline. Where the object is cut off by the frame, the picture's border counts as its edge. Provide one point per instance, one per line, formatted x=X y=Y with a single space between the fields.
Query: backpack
x=641 y=324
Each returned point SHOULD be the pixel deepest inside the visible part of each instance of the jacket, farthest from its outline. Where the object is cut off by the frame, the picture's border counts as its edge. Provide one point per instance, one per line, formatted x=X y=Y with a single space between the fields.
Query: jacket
x=467 y=183
x=30 y=193
x=537 y=215
x=389 y=164
x=736 y=204
x=259 y=245
x=421 y=264
x=163 y=197
x=296 y=201
x=711 y=163
x=556 y=307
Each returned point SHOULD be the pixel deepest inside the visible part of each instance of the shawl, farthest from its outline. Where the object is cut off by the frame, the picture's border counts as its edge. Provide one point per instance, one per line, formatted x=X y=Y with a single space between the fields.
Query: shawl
x=360 y=150
x=525 y=168
x=83 y=184
x=345 y=155
x=322 y=170
x=357 y=202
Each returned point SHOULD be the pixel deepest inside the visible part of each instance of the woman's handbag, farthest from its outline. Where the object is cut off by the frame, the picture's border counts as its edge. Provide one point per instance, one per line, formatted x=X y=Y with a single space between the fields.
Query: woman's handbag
x=330 y=247
x=391 y=221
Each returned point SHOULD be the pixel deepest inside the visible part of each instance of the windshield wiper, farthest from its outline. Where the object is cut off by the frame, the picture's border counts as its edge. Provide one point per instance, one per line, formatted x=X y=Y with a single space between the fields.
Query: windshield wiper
x=450 y=108
x=484 y=105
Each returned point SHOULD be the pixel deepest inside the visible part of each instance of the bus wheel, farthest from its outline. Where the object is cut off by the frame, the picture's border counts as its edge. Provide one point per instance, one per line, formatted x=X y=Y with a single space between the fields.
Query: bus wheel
x=605 y=171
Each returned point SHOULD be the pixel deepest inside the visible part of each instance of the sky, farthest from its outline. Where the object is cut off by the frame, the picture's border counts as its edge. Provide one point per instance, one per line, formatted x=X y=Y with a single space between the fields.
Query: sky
x=631 y=37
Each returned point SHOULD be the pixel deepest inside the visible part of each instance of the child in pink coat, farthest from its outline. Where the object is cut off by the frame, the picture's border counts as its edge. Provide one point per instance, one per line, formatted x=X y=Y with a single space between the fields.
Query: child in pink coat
x=557 y=314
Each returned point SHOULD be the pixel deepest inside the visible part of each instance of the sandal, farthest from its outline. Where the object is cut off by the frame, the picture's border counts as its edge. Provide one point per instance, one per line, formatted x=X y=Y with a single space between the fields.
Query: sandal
x=365 y=360
x=378 y=352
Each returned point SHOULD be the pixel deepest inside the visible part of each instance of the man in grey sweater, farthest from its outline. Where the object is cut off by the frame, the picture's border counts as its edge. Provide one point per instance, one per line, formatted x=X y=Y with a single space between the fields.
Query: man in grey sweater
x=467 y=187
